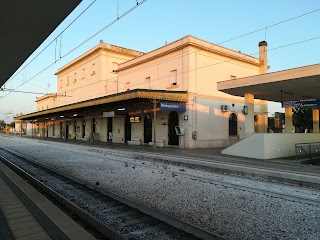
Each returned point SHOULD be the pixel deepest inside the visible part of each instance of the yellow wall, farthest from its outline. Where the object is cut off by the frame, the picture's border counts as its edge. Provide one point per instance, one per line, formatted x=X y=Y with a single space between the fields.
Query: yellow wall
x=199 y=65
x=46 y=102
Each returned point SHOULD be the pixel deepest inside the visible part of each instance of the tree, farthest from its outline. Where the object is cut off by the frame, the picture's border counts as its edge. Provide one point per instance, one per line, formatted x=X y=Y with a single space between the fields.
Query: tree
x=302 y=117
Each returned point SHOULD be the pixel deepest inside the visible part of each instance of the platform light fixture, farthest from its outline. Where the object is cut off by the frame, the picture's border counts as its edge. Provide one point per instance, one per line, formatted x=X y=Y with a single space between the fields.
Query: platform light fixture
x=74 y=115
x=62 y=116
x=121 y=109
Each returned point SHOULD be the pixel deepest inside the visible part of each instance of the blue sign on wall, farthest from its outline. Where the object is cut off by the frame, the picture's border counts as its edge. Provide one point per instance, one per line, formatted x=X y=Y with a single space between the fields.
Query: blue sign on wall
x=302 y=103
x=172 y=106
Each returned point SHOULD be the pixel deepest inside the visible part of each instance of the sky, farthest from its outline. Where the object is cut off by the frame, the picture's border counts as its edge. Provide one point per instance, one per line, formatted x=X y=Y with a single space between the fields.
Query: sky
x=290 y=28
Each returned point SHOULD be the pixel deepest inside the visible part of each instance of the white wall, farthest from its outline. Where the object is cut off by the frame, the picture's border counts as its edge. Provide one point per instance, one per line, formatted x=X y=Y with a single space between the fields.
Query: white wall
x=270 y=145
x=118 y=129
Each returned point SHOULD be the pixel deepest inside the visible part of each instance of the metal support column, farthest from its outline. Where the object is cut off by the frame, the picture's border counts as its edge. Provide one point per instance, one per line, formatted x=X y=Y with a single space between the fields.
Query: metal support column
x=21 y=128
x=65 y=130
x=91 y=134
x=44 y=129
x=154 y=101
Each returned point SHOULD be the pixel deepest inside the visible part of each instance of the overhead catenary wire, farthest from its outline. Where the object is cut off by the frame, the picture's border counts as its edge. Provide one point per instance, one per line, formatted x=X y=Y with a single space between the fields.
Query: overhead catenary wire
x=105 y=27
x=138 y=4
x=85 y=41
x=257 y=31
x=231 y=61
x=270 y=26
x=12 y=90
x=198 y=68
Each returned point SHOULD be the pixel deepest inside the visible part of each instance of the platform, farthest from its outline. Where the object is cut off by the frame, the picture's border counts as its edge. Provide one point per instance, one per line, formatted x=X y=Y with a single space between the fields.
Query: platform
x=282 y=169
x=26 y=214
x=53 y=224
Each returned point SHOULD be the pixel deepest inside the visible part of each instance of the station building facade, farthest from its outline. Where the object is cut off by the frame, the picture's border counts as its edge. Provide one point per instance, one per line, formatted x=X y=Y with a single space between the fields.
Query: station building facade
x=165 y=97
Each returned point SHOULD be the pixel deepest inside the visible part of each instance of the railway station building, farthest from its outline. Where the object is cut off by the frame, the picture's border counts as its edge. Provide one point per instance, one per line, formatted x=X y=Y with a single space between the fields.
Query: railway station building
x=165 y=97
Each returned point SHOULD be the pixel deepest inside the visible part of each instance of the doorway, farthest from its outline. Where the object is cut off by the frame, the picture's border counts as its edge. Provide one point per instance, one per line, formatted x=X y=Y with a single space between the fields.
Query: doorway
x=109 y=127
x=83 y=128
x=147 y=129
x=172 y=123
x=67 y=130
x=233 y=125
x=127 y=129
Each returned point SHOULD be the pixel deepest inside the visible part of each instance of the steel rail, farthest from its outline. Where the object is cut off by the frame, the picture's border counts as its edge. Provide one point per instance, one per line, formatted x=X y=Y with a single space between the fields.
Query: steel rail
x=98 y=225
x=176 y=223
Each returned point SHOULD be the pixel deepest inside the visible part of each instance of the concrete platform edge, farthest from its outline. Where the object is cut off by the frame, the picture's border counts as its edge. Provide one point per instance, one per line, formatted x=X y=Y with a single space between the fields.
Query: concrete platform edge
x=70 y=228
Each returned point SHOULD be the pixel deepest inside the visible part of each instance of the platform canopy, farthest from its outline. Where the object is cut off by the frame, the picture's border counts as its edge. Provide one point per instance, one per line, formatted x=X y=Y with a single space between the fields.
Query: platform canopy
x=288 y=85
x=24 y=26
x=135 y=100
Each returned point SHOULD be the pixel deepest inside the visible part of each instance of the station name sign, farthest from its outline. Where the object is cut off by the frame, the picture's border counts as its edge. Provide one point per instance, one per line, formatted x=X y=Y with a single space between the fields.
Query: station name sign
x=172 y=106
x=302 y=103
x=108 y=114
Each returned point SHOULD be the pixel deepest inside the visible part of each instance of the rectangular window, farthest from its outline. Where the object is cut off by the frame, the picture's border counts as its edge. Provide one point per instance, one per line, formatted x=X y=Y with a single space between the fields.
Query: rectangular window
x=93 y=69
x=148 y=83
x=67 y=83
x=173 y=77
x=83 y=73
x=75 y=77
x=61 y=83
x=128 y=86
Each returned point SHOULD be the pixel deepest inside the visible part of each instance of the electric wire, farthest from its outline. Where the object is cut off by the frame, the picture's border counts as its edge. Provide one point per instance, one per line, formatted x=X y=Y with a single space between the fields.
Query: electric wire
x=82 y=43
x=231 y=61
x=270 y=26
x=222 y=42
x=105 y=27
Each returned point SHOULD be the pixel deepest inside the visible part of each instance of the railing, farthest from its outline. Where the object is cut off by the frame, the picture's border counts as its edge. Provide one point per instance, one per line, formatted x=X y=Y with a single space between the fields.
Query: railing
x=308 y=151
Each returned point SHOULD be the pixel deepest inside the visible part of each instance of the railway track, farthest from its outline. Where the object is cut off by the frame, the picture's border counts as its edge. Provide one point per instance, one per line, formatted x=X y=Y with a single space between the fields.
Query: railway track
x=286 y=192
x=110 y=214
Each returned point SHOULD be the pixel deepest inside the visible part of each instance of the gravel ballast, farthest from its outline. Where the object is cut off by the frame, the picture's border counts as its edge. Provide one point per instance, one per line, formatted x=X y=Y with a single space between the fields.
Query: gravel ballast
x=189 y=194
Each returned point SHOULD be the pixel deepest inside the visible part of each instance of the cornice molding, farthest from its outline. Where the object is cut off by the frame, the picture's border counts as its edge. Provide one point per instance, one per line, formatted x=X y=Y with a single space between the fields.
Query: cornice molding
x=192 y=44
x=100 y=48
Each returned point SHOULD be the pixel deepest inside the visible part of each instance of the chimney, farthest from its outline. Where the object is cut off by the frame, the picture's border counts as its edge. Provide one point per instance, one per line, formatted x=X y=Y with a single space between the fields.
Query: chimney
x=263 y=57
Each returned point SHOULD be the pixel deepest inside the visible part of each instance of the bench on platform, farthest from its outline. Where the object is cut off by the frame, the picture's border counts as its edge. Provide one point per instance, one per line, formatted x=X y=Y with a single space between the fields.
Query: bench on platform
x=159 y=143
x=134 y=141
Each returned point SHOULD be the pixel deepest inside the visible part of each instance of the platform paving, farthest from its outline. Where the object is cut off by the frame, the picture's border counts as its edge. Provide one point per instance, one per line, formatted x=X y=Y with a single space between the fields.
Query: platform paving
x=26 y=214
